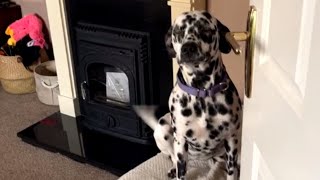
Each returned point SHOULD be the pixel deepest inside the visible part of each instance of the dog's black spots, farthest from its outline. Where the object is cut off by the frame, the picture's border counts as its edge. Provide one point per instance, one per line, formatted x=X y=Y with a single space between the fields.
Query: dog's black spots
x=187 y=123
x=238 y=109
x=209 y=126
x=184 y=101
x=206 y=37
x=221 y=109
x=213 y=98
x=233 y=135
x=226 y=146
x=191 y=30
x=230 y=164
x=214 y=160
x=198 y=149
x=181 y=169
x=174 y=129
x=196 y=66
x=235 y=152
x=197 y=109
x=220 y=128
x=230 y=111
x=214 y=134
x=207 y=15
x=209 y=69
x=230 y=173
x=229 y=97
x=217 y=78
x=236 y=118
x=172 y=108
x=189 y=98
x=162 y=122
x=200 y=80
x=178 y=96
x=226 y=124
x=212 y=110
x=183 y=27
x=238 y=126
x=203 y=104
x=204 y=21
x=186 y=147
x=197 y=145
x=178 y=33
x=190 y=19
x=173 y=119
x=186 y=112
x=189 y=133
x=214 y=48
x=166 y=137
x=236 y=141
x=173 y=100
x=190 y=74
x=180 y=157
x=172 y=173
x=222 y=157
x=206 y=143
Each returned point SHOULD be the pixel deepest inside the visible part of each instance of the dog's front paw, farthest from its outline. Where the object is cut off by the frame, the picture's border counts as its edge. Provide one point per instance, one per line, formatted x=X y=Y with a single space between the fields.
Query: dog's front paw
x=172 y=173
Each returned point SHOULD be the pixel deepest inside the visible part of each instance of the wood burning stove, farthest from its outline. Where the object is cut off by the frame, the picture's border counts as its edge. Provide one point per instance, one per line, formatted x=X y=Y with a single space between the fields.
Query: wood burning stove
x=120 y=60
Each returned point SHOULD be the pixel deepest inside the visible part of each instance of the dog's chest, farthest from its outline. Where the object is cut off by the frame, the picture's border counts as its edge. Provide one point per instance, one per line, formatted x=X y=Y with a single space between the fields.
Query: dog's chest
x=204 y=122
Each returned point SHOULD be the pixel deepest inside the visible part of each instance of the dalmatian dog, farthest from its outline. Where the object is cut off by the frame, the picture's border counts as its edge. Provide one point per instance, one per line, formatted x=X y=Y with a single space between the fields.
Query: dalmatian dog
x=205 y=118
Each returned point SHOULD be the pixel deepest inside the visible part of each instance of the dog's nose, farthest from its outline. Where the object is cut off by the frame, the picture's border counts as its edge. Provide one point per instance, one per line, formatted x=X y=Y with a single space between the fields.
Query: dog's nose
x=189 y=48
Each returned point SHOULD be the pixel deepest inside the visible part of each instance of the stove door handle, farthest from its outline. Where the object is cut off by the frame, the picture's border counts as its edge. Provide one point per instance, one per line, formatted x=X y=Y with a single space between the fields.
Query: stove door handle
x=84 y=90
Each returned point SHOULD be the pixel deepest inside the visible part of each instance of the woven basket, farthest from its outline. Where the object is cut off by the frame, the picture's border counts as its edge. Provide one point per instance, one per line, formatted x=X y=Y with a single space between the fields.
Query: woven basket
x=15 y=78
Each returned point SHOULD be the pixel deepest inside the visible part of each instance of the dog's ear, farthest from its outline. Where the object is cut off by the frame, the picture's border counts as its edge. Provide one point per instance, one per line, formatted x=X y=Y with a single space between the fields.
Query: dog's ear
x=224 y=45
x=169 y=45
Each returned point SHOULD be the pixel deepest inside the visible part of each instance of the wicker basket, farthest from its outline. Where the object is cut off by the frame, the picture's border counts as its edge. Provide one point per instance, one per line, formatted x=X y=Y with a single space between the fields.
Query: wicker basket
x=15 y=78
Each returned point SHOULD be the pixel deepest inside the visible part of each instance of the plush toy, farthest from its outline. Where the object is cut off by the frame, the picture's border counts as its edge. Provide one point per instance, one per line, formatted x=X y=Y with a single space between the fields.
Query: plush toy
x=30 y=25
x=29 y=54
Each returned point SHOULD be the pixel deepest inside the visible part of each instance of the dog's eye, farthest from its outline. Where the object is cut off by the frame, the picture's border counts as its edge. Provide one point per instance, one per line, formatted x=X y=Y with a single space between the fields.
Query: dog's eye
x=179 y=32
x=209 y=32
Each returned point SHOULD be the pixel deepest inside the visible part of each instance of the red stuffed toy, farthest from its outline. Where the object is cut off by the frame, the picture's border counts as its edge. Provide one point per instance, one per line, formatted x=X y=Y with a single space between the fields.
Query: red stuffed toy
x=28 y=25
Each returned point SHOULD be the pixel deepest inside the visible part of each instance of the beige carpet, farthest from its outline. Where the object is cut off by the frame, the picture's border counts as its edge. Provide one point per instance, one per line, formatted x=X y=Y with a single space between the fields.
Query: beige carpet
x=19 y=160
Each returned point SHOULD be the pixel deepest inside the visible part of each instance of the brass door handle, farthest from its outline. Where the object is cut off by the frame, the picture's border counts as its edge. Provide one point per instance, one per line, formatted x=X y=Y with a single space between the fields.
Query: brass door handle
x=250 y=37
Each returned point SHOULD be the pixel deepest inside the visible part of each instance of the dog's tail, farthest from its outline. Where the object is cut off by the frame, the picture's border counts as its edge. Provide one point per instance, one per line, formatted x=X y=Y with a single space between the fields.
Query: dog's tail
x=150 y=114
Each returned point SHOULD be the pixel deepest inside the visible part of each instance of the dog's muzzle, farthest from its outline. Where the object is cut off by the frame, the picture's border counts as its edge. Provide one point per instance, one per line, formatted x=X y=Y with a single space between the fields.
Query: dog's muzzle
x=189 y=52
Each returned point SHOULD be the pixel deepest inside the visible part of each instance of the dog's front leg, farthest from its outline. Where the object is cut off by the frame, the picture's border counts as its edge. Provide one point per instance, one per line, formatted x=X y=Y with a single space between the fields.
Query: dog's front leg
x=181 y=156
x=232 y=164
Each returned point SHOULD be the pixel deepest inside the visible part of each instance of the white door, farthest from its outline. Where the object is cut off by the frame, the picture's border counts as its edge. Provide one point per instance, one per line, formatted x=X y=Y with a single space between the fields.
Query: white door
x=281 y=127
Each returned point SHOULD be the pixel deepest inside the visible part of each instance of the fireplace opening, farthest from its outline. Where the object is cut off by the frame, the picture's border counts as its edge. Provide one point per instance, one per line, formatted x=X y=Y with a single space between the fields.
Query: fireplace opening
x=108 y=84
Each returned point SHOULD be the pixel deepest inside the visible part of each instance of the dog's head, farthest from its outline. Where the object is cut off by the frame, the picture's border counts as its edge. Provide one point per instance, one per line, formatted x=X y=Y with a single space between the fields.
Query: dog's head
x=196 y=37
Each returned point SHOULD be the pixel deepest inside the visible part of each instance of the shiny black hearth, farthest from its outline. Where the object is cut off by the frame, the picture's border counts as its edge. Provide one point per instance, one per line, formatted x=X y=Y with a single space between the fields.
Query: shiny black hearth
x=120 y=60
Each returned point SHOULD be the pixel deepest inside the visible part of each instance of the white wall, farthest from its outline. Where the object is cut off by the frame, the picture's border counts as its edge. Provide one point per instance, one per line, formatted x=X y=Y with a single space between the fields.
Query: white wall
x=34 y=6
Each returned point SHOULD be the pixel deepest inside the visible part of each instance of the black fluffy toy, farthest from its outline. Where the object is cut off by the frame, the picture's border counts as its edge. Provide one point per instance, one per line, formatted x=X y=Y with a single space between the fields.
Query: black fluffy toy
x=28 y=54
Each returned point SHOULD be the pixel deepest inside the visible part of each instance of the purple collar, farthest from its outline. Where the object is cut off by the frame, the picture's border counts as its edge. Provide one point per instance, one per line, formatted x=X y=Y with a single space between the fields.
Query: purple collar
x=221 y=85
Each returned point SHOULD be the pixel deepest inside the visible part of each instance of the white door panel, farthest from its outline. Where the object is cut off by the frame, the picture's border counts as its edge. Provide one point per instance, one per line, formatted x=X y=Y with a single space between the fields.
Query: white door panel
x=281 y=127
